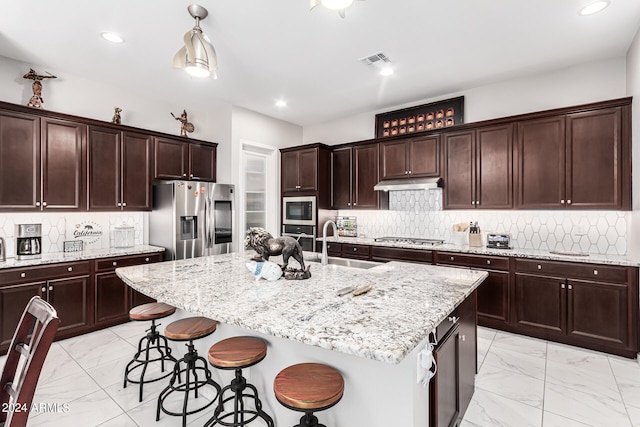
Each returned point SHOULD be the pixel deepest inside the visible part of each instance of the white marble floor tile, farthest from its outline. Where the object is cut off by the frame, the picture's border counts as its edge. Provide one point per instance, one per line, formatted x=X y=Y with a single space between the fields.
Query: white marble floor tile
x=90 y=410
x=515 y=361
x=627 y=375
x=593 y=381
x=466 y=423
x=120 y=421
x=483 y=348
x=65 y=390
x=515 y=386
x=584 y=407
x=578 y=357
x=111 y=372
x=59 y=364
x=127 y=397
x=131 y=329
x=92 y=350
x=634 y=415
x=552 y=420
x=490 y=410
x=530 y=346
x=486 y=333
x=145 y=416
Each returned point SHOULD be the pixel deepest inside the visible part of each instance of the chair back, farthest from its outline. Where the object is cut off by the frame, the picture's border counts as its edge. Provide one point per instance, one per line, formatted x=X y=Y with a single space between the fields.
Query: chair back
x=25 y=357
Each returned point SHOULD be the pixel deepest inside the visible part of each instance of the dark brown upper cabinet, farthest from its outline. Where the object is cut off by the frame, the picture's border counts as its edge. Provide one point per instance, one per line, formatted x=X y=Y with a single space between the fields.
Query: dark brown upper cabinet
x=574 y=161
x=416 y=157
x=354 y=174
x=119 y=170
x=479 y=168
x=179 y=159
x=41 y=167
x=305 y=171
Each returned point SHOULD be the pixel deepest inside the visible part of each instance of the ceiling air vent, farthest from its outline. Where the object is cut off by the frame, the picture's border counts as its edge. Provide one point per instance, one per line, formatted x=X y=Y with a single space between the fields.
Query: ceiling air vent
x=377 y=58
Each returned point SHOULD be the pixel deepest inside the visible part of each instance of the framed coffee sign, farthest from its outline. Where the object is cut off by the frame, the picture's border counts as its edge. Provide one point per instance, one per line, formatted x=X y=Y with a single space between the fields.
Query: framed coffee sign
x=423 y=118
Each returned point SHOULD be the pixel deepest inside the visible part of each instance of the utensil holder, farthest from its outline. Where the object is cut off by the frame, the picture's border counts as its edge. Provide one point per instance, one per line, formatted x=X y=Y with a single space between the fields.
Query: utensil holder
x=475 y=239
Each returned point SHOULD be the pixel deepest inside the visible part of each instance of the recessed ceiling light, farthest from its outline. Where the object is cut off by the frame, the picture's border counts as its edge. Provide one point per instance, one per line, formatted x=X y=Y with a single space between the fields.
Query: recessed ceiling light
x=594 y=7
x=280 y=103
x=386 y=71
x=112 y=37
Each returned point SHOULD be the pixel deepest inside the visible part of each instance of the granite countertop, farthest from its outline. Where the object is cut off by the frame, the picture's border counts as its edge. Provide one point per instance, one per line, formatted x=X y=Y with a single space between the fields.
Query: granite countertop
x=406 y=303
x=57 y=257
x=622 y=260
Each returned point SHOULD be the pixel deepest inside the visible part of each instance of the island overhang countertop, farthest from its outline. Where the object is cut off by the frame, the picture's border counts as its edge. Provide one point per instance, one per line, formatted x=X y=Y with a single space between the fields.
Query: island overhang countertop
x=406 y=303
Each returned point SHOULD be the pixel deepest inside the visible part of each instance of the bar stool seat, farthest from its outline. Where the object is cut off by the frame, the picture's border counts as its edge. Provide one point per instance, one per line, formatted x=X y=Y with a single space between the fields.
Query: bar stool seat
x=238 y=353
x=308 y=387
x=153 y=347
x=196 y=377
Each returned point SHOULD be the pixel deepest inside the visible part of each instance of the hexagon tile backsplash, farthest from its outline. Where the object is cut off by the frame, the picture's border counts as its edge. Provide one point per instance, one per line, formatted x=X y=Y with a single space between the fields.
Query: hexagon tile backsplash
x=420 y=214
x=57 y=227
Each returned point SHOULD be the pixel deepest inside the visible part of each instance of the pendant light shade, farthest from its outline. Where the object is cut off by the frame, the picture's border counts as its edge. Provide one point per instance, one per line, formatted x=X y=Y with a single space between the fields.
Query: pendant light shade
x=197 y=56
x=337 y=5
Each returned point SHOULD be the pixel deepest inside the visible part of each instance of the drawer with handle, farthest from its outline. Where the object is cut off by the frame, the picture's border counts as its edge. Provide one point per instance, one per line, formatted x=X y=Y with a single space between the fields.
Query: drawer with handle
x=356 y=251
x=44 y=272
x=105 y=264
x=473 y=261
x=599 y=272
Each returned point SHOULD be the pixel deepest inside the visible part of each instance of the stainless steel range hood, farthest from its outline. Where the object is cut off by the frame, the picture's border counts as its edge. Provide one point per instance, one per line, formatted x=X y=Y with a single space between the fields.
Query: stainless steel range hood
x=408 y=184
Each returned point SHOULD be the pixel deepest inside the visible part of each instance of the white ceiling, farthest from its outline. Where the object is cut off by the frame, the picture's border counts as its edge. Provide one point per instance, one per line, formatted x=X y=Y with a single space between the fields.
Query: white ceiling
x=271 y=49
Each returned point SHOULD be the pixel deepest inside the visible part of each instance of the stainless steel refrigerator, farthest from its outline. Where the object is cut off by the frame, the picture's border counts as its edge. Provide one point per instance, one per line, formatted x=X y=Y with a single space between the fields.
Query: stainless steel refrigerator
x=192 y=219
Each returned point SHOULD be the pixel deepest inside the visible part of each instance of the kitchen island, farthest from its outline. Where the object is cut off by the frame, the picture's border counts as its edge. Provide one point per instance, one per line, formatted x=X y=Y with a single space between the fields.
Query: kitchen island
x=373 y=339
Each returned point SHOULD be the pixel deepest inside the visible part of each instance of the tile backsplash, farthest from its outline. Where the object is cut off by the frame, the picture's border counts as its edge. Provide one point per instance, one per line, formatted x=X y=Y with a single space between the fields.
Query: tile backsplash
x=420 y=214
x=95 y=229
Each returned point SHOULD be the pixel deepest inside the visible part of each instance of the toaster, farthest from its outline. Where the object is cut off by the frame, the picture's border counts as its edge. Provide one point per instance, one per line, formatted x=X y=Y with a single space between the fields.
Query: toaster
x=498 y=241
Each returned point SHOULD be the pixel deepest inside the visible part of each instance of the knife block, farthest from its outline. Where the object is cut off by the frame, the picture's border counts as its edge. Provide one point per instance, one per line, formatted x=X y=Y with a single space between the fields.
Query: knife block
x=475 y=239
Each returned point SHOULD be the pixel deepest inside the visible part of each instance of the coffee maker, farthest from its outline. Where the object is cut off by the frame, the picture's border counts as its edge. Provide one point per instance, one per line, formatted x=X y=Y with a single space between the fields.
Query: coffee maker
x=28 y=241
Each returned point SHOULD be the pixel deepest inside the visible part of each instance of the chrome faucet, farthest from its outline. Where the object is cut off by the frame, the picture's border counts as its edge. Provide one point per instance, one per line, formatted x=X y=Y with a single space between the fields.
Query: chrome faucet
x=325 y=260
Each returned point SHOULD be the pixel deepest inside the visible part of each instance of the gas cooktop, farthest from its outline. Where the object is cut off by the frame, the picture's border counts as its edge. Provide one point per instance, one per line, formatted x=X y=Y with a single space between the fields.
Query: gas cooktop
x=410 y=240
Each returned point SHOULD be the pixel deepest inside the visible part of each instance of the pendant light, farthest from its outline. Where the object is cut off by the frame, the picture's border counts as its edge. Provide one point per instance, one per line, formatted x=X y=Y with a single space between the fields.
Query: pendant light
x=197 y=56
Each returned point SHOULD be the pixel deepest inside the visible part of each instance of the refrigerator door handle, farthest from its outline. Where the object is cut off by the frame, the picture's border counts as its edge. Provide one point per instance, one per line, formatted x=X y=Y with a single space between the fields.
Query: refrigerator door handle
x=208 y=226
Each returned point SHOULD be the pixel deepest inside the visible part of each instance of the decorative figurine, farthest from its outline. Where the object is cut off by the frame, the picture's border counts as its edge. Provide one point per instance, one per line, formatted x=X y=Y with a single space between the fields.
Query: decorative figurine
x=261 y=241
x=36 y=100
x=117 y=119
x=185 y=125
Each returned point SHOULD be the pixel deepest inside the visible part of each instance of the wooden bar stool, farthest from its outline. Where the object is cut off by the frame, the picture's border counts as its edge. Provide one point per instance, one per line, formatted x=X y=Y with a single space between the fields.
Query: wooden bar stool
x=188 y=329
x=153 y=347
x=308 y=388
x=238 y=353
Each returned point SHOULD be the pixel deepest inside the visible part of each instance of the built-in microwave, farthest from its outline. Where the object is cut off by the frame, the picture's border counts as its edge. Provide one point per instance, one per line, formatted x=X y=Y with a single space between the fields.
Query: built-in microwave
x=299 y=210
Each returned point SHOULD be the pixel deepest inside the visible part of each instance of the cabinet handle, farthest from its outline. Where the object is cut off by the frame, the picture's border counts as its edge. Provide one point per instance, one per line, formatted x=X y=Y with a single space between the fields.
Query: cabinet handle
x=44 y=289
x=562 y=202
x=595 y=272
x=23 y=275
x=191 y=175
x=37 y=203
x=119 y=204
x=410 y=172
x=570 y=287
x=50 y=287
x=146 y=260
x=569 y=201
x=451 y=258
x=114 y=263
x=354 y=203
x=562 y=286
x=477 y=202
x=44 y=204
x=349 y=204
x=355 y=249
x=328 y=246
x=406 y=172
x=453 y=319
x=184 y=174
x=124 y=204
x=69 y=268
x=488 y=262
x=462 y=338
x=473 y=202
x=539 y=267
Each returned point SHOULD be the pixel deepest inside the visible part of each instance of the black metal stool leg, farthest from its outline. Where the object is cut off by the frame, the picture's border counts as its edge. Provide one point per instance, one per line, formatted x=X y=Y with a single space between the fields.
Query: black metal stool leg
x=309 y=420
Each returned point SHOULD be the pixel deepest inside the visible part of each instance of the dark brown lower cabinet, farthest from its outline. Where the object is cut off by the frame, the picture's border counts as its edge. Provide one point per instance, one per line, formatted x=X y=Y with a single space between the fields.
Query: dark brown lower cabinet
x=114 y=298
x=68 y=295
x=452 y=387
x=598 y=314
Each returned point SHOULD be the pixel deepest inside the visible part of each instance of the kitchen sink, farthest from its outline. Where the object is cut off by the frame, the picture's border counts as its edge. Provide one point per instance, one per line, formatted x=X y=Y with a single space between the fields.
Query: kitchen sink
x=346 y=262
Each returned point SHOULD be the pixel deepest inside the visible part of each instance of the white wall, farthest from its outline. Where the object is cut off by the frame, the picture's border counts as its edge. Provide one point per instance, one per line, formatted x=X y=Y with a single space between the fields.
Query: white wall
x=633 y=89
x=581 y=84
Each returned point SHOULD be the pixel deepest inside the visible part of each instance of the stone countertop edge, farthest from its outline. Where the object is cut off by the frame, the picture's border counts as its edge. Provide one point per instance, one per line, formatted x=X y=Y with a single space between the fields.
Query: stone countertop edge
x=406 y=303
x=59 y=257
x=621 y=260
